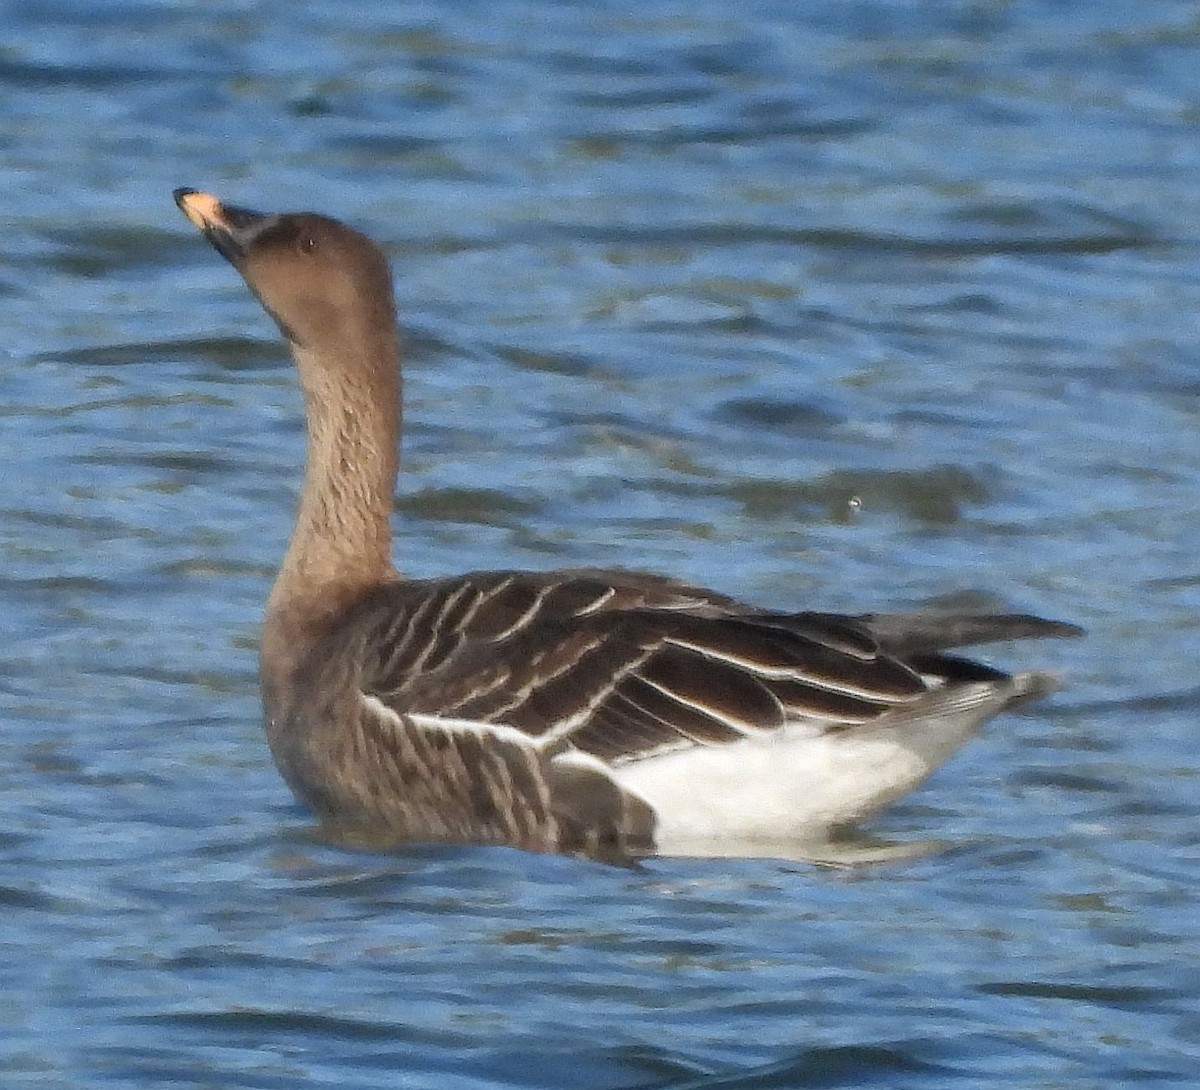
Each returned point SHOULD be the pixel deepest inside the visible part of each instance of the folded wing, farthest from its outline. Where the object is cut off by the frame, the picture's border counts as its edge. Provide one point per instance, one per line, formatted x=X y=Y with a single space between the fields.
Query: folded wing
x=622 y=668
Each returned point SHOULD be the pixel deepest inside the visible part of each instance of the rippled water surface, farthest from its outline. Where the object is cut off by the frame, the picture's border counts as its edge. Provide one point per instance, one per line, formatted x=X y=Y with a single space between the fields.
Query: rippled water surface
x=855 y=305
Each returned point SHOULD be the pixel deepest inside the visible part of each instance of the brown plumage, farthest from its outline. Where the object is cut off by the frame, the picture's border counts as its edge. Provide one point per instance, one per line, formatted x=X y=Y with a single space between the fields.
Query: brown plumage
x=600 y=712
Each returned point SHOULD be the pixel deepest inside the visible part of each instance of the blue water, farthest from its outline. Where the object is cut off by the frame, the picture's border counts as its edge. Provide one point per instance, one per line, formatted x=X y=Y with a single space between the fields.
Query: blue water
x=840 y=305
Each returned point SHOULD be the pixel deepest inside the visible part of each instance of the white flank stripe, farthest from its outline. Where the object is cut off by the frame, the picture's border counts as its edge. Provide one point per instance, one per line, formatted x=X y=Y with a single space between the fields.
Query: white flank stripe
x=497 y=731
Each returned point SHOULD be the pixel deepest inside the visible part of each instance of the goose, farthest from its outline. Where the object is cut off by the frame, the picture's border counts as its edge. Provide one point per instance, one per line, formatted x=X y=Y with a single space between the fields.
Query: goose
x=610 y=714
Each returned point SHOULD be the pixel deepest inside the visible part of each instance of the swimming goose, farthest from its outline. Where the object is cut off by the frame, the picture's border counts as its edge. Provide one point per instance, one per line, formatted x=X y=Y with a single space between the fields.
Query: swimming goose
x=603 y=713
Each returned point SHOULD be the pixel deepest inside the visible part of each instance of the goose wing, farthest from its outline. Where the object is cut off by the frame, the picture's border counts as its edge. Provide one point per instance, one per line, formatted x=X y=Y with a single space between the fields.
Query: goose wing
x=622 y=666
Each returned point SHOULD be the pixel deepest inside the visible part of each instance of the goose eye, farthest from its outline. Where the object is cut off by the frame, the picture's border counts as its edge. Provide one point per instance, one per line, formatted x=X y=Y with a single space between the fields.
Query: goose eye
x=306 y=244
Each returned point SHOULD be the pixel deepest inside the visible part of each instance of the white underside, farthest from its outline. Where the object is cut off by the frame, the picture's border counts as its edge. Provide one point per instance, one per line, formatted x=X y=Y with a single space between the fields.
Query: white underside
x=801 y=782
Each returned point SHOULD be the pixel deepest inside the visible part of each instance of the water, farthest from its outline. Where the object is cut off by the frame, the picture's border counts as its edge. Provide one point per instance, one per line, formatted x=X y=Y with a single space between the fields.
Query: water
x=846 y=305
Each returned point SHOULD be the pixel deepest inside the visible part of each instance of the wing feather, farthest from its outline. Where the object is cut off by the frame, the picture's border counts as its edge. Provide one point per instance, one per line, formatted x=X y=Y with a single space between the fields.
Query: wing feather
x=735 y=699
x=621 y=666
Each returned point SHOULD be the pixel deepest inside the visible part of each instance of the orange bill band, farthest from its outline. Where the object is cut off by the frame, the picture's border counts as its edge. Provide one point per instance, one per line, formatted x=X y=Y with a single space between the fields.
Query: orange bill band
x=203 y=209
